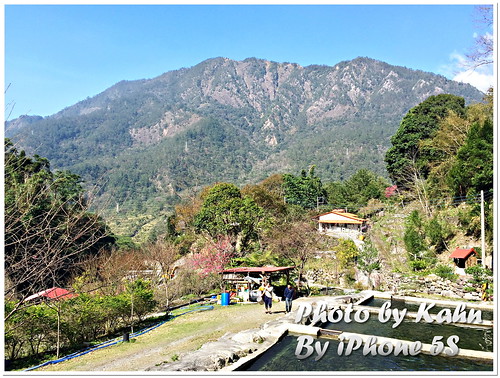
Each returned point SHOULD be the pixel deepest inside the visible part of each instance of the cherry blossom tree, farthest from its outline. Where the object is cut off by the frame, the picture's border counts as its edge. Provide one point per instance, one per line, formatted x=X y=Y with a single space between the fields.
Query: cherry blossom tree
x=214 y=256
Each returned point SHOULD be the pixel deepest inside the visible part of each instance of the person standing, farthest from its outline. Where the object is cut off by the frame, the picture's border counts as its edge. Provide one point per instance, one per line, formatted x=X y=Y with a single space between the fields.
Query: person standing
x=267 y=296
x=289 y=295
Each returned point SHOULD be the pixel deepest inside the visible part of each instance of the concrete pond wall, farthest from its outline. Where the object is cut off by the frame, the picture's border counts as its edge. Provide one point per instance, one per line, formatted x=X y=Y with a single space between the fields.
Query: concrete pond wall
x=401 y=284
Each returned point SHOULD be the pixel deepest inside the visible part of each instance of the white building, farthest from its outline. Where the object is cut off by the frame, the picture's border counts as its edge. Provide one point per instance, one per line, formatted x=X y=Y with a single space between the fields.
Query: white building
x=341 y=224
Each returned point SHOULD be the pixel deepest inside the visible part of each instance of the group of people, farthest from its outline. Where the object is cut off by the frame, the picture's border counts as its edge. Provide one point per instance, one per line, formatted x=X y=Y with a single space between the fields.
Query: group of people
x=267 y=297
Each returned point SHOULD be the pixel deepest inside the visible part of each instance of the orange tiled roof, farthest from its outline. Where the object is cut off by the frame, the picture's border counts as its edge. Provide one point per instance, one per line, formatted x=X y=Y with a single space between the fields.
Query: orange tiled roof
x=351 y=218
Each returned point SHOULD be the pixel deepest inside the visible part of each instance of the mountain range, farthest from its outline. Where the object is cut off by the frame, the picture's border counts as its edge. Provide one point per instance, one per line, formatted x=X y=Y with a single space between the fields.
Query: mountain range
x=144 y=143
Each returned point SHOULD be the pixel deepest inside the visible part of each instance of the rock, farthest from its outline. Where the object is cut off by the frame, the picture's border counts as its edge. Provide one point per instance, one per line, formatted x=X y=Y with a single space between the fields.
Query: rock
x=432 y=277
x=362 y=278
x=376 y=279
x=471 y=297
x=248 y=337
x=447 y=293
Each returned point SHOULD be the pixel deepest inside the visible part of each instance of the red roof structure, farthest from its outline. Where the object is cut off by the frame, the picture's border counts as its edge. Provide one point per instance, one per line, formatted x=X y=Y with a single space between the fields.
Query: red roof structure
x=262 y=269
x=460 y=253
x=55 y=293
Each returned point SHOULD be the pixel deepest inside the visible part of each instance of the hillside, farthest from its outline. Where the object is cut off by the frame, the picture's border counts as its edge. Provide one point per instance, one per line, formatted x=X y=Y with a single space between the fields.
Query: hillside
x=144 y=143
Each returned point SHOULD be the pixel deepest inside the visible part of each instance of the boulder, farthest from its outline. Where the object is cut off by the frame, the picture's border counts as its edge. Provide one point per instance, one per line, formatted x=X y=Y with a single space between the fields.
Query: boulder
x=247 y=337
x=432 y=277
x=471 y=296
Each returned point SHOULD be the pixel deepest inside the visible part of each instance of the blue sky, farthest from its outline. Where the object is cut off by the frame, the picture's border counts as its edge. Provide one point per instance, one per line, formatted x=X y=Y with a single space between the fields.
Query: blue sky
x=57 y=55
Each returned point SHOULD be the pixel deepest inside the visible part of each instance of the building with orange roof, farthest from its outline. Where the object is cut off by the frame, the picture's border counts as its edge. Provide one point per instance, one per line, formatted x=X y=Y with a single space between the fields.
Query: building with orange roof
x=340 y=222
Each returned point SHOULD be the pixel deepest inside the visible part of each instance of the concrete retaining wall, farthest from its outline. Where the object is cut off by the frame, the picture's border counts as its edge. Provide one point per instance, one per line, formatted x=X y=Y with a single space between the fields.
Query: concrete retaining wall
x=402 y=285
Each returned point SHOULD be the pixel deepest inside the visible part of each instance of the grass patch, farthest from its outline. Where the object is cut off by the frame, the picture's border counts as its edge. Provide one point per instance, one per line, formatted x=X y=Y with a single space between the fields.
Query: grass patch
x=177 y=336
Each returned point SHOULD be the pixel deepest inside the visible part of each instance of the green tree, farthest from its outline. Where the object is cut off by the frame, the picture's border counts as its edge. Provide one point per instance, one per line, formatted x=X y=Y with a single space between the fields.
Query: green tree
x=346 y=253
x=218 y=214
x=473 y=169
x=450 y=138
x=304 y=190
x=337 y=194
x=357 y=190
x=365 y=185
x=265 y=196
x=226 y=212
x=30 y=331
x=419 y=124
x=436 y=234
x=414 y=240
x=82 y=318
x=368 y=259
x=141 y=297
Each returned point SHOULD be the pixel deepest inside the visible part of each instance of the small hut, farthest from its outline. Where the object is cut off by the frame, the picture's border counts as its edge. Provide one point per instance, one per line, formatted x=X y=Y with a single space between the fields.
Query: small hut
x=246 y=280
x=464 y=257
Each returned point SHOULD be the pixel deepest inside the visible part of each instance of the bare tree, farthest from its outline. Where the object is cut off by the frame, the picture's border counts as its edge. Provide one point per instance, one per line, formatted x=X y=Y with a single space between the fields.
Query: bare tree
x=49 y=230
x=44 y=257
x=9 y=108
x=161 y=256
x=417 y=185
x=296 y=242
x=482 y=53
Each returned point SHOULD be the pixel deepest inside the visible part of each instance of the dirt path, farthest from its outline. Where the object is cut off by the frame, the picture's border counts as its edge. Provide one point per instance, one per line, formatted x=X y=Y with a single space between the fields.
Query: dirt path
x=169 y=341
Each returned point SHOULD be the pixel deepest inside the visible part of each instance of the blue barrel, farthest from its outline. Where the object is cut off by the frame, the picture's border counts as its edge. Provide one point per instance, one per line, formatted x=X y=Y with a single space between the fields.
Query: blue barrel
x=224 y=299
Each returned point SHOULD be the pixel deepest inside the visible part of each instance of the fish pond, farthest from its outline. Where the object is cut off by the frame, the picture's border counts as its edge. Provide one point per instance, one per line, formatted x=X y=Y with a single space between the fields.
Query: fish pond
x=413 y=306
x=283 y=355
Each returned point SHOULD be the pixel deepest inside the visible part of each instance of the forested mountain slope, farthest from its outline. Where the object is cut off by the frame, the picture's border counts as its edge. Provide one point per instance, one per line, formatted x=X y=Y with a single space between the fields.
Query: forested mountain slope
x=146 y=141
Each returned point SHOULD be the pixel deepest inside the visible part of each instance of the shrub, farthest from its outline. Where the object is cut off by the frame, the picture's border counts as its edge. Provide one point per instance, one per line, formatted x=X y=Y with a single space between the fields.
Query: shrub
x=436 y=234
x=30 y=331
x=142 y=295
x=480 y=275
x=445 y=272
x=418 y=265
x=346 y=253
x=314 y=291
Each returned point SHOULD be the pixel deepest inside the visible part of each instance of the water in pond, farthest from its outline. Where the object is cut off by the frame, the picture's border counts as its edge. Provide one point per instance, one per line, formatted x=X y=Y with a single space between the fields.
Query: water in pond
x=281 y=357
x=476 y=338
x=413 y=307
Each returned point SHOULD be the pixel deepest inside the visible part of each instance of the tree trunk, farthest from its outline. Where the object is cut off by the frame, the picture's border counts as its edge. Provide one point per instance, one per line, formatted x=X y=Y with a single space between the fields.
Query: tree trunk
x=165 y=278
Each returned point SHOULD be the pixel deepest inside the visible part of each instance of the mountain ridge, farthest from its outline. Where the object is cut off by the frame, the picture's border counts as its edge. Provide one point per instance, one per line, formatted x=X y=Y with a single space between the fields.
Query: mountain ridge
x=231 y=120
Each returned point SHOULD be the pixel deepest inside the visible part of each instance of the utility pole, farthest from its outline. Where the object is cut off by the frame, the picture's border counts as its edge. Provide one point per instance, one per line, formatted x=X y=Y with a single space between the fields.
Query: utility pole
x=132 y=311
x=483 y=243
x=317 y=202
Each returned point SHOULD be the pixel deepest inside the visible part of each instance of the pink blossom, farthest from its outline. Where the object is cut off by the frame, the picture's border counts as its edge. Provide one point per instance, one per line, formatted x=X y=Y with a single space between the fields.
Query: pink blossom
x=390 y=191
x=213 y=257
